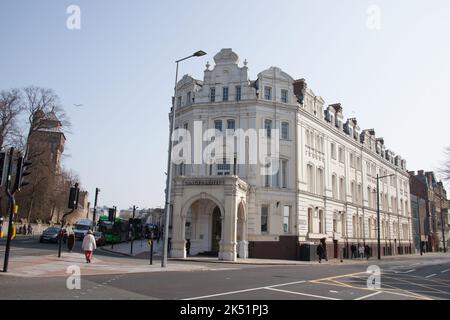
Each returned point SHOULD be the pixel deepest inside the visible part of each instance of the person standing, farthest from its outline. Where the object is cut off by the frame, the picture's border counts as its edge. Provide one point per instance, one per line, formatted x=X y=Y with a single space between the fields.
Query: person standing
x=361 y=252
x=89 y=246
x=367 y=251
x=353 y=249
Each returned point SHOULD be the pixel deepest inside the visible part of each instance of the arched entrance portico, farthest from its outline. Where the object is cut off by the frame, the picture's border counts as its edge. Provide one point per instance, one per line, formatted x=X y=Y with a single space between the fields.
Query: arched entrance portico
x=211 y=214
x=203 y=227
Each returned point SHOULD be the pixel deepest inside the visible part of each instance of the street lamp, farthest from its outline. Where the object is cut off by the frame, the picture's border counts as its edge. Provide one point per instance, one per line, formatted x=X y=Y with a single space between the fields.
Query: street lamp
x=442 y=223
x=167 y=209
x=378 y=213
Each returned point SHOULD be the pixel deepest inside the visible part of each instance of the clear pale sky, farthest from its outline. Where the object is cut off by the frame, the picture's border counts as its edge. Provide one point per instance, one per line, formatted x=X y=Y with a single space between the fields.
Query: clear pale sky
x=120 y=66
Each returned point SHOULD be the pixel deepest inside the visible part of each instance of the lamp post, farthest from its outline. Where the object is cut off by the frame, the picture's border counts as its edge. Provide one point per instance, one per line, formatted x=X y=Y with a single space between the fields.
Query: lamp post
x=378 y=213
x=133 y=227
x=442 y=224
x=169 y=162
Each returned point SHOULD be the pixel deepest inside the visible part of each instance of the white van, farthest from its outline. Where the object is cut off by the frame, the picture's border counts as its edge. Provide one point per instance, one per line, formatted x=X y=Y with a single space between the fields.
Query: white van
x=82 y=227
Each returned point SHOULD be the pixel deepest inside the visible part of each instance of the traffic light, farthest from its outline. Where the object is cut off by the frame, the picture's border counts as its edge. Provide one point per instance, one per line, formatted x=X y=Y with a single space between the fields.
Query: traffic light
x=111 y=214
x=1 y=227
x=21 y=172
x=73 y=198
x=3 y=169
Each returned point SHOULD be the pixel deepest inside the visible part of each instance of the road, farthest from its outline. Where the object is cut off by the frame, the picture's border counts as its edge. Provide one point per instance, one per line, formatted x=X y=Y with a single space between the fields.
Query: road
x=402 y=278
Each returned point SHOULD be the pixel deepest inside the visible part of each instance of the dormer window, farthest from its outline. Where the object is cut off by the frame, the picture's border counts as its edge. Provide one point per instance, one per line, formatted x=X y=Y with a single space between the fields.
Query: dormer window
x=332 y=119
x=212 y=94
x=225 y=94
x=284 y=96
x=268 y=93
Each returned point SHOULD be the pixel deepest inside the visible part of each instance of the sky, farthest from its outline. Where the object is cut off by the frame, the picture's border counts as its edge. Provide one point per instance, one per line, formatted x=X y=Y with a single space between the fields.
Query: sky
x=388 y=67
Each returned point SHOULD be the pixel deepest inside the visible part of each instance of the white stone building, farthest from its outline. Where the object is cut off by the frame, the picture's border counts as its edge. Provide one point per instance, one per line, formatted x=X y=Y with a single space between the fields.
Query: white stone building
x=326 y=182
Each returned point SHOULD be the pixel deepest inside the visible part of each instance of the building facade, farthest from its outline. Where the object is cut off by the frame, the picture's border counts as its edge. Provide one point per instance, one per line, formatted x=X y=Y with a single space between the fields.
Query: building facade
x=434 y=226
x=325 y=185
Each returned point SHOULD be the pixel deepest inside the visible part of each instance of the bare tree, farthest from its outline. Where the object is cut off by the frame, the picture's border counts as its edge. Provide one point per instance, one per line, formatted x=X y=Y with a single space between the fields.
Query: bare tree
x=11 y=106
x=444 y=171
x=45 y=101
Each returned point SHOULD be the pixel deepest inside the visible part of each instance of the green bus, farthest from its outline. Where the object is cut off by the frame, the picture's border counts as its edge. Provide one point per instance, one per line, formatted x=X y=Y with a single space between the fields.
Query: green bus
x=116 y=232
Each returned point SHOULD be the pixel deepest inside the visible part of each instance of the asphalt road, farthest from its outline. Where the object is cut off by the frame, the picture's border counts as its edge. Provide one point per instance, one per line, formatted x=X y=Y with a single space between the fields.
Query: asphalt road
x=403 y=278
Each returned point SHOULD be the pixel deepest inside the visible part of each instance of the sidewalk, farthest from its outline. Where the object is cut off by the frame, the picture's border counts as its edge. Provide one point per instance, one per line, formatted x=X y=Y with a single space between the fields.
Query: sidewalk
x=139 y=247
x=273 y=262
x=52 y=266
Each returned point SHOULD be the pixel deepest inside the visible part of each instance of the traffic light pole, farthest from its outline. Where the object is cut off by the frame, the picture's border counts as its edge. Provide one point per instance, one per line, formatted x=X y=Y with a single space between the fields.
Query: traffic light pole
x=97 y=190
x=12 y=203
x=73 y=205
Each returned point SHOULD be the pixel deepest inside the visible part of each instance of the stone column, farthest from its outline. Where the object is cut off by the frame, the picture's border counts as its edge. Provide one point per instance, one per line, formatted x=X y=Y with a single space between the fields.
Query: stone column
x=228 y=243
x=178 y=230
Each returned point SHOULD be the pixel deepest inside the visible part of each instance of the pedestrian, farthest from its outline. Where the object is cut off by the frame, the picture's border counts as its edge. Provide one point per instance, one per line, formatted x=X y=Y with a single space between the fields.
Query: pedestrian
x=353 y=249
x=324 y=246
x=24 y=230
x=89 y=246
x=188 y=247
x=319 y=252
x=367 y=251
x=361 y=252
x=30 y=229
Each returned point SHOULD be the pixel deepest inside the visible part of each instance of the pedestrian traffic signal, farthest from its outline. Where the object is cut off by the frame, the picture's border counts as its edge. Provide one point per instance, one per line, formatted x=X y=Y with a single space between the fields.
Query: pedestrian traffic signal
x=21 y=172
x=73 y=198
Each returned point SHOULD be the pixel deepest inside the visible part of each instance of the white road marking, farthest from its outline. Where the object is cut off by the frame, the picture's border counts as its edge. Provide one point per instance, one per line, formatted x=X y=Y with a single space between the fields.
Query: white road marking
x=301 y=294
x=444 y=271
x=245 y=290
x=404 y=272
x=332 y=291
x=431 y=275
x=369 y=295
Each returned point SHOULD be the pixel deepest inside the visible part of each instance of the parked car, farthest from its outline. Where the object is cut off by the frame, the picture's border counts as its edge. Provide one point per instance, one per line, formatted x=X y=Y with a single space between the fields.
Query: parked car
x=100 y=239
x=51 y=235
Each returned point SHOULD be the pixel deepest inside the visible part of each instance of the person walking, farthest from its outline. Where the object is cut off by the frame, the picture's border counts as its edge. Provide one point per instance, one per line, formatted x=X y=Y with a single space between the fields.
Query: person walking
x=89 y=246
x=30 y=230
x=361 y=252
x=319 y=252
